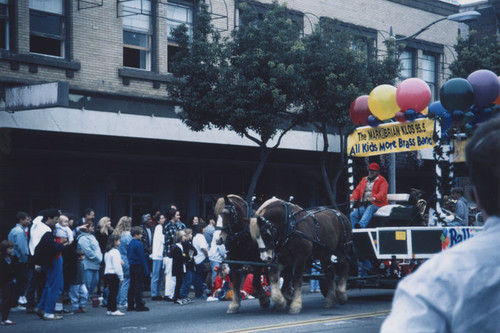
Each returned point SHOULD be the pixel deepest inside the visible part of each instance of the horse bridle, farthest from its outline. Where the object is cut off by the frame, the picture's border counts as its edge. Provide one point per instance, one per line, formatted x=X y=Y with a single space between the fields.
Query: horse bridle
x=268 y=228
x=228 y=229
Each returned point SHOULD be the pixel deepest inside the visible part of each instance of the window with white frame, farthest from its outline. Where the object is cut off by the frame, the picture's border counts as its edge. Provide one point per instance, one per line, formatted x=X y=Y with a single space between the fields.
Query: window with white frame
x=429 y=71
x=4 y=24
x=177 y=14
x=47 y=25
x=137 y=34
x=406 y=61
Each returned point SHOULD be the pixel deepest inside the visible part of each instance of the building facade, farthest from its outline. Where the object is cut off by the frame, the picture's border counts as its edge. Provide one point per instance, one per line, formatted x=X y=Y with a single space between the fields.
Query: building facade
x=85 y=118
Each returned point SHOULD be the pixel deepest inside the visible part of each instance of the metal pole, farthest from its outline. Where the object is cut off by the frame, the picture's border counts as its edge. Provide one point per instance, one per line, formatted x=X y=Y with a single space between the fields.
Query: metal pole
x=392 y=173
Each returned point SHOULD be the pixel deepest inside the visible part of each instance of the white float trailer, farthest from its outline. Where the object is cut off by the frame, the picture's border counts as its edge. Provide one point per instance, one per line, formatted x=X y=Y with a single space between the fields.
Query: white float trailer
x=395 y=251
x=383 y=255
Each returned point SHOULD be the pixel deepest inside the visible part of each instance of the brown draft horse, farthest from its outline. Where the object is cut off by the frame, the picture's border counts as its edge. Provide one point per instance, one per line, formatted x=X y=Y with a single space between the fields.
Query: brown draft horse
x=232 y=228
x=289 y=235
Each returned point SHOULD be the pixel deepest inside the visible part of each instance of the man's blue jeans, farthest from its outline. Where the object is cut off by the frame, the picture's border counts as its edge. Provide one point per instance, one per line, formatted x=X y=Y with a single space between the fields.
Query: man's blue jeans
x=363 y=215
x=91 y=279
x=53 y=287
x=157 y=278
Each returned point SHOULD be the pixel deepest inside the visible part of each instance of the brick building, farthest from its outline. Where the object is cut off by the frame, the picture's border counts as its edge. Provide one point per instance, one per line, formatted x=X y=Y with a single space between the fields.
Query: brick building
x=102 y=132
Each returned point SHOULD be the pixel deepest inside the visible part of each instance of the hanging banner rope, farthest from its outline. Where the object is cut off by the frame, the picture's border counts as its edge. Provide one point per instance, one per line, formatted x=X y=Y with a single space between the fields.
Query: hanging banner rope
x=391 y=138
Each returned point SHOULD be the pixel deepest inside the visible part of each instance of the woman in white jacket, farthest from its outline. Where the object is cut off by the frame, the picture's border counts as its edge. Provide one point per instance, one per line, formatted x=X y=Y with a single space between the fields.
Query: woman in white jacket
x=157 y=275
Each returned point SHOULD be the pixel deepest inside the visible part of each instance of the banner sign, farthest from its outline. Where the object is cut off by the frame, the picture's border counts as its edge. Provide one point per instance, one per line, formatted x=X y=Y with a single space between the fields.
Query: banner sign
x=391 y=138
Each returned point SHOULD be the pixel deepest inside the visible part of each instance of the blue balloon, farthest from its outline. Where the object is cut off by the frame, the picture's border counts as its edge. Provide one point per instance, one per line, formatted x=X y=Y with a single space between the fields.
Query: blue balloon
x=437 y=109
x=372 y=121
x=410 y=114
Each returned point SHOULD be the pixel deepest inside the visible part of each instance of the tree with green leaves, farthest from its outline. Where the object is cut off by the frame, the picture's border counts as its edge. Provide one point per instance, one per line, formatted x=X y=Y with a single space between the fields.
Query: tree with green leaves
x=337 y=69
x=474 y=53
x=248 y=83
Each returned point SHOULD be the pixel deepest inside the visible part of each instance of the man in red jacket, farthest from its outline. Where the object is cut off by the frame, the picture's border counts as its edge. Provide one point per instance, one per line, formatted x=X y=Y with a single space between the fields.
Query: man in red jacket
x=371 y=193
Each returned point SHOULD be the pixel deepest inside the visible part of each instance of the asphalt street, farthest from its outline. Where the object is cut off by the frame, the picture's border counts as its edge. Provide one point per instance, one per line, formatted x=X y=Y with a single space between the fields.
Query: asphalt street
x=364 y=312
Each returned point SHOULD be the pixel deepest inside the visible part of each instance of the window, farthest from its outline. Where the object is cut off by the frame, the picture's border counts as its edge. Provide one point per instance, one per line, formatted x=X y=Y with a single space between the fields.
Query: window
x=47 y=22
x=362 y=39
x=137 y=34
x=406 y=60
x=261 y=9
x=429 y=71
x=4 y=24
x=177 y=14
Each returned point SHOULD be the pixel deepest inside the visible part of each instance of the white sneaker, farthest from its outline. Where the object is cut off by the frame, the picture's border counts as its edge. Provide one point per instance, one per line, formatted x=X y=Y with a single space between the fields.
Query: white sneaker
x=117 y=313
x=109 y=313
x=18 y=308
x=22 y=300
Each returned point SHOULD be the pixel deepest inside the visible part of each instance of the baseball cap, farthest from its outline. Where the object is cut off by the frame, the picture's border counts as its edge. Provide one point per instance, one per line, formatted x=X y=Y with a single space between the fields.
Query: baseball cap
x=374 y=166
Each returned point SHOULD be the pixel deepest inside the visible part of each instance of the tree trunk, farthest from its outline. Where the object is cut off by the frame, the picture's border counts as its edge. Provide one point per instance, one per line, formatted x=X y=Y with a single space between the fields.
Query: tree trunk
x=264 y=154
x=331 y=187
x=340 y=166
x=324 y=173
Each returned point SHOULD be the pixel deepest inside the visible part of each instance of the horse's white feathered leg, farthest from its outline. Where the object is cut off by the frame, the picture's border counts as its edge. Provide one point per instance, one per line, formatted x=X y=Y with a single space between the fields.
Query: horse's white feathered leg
x=330 y=281
x=234 y=306
x=276 y=295
x=341 y=291
x=296 y=305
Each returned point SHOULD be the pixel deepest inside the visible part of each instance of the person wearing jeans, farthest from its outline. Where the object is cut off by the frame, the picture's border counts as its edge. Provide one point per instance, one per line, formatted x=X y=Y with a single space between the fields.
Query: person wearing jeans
x=138 y=271
x=157 y=256
x=93 y=257
x=201 y=257
x=371 y=193
x=77 y=289
x=48 y=254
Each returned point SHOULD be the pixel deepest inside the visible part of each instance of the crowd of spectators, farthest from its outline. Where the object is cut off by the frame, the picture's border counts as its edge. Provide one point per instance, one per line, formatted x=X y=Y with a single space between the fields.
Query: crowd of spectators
x=56 y=265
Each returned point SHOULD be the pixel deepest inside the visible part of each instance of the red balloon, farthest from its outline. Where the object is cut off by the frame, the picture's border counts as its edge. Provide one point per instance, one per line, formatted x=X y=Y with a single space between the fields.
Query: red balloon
x=413 y=94
x=360 y=111
x=400 y=116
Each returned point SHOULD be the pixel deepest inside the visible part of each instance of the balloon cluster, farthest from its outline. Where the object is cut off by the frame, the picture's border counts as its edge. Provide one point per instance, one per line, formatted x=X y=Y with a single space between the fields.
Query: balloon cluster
x=463 y=104
x=471 y=101
x=407 y=102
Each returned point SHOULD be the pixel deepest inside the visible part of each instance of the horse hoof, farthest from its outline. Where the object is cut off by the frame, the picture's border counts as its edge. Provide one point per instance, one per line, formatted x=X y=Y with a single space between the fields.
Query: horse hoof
x=232 y=309
x=264 y=302
x=329 y=305
x=294 y=310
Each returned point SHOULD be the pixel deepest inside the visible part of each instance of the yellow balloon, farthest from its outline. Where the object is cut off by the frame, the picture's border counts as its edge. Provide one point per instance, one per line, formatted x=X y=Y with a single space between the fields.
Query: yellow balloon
x=382 y=102
x=425 y=111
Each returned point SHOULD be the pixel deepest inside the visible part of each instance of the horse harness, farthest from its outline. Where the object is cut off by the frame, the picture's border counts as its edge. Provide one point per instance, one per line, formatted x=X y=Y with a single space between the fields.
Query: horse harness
x=291 y=229
x=235 y=236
